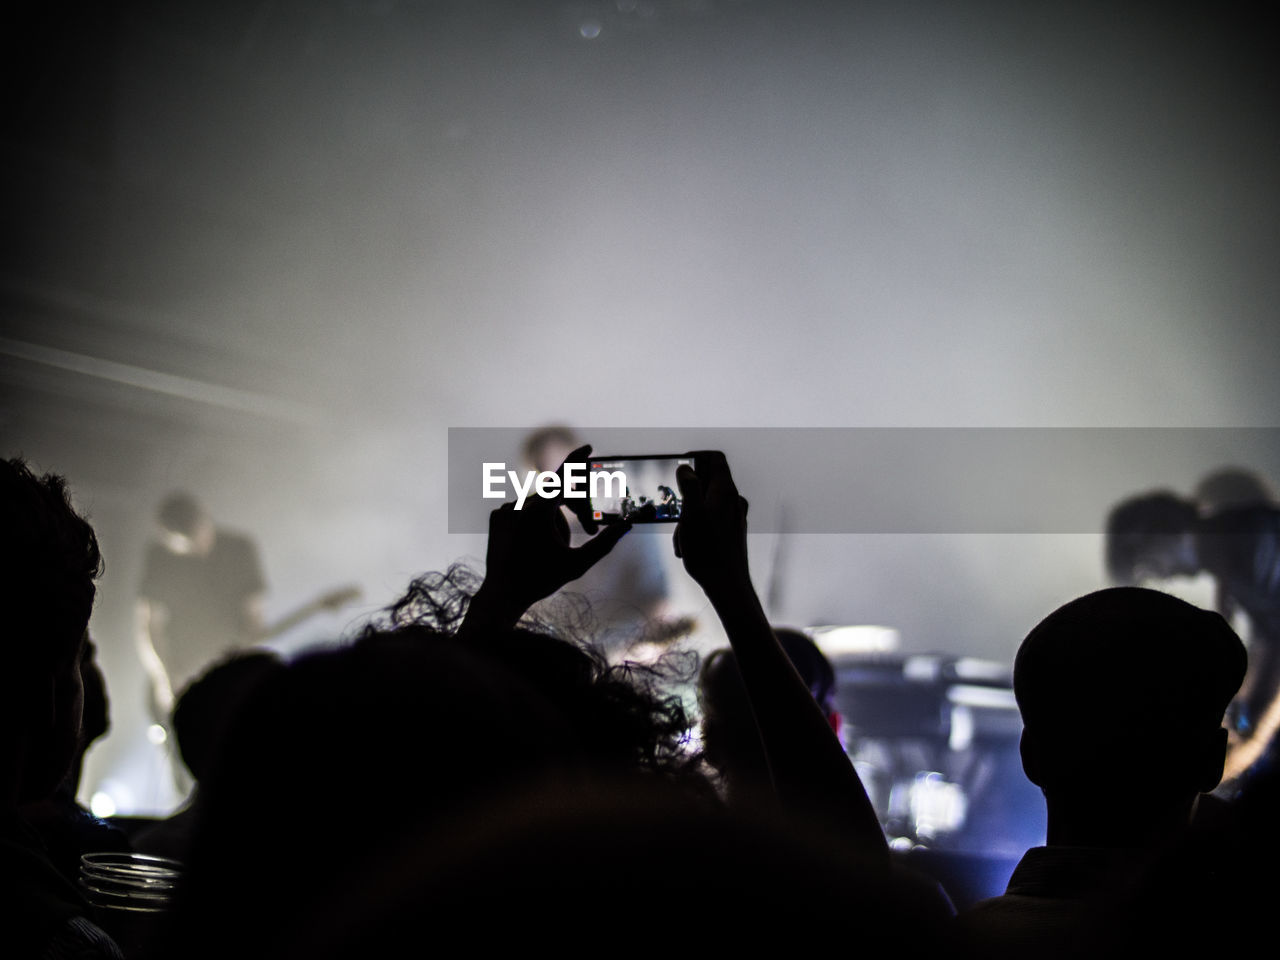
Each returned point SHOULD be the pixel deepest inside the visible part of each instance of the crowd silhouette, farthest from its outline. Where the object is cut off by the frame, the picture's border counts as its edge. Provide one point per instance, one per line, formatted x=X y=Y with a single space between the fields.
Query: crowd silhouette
x=462 y=775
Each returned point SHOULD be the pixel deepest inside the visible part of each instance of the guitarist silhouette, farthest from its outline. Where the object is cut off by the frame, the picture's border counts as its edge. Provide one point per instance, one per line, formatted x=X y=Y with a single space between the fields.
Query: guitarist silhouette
x=201 y=598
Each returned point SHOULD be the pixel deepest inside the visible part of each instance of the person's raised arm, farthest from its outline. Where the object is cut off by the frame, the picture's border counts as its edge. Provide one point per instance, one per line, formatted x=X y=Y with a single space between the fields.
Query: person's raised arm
x=811 y=773
x=529 y=556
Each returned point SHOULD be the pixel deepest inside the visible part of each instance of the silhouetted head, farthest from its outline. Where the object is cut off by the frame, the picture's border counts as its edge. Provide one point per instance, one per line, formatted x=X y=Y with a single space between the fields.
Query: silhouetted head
x=1231 y=487
x=343 y=753
x=208 y=704
x=185 y=526
x=622 y=718
x=1126 y=688
x=335 y=756
x=812 y=665
x=49 y=560
x=1151 y=536
x=730 y=740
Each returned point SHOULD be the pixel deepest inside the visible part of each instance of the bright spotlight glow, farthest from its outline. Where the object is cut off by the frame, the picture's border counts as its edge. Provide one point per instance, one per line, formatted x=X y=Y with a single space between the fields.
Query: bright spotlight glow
x=936 y=805
x=157 y=734
x=837 y=641
x=590 y=29
x=102 y=805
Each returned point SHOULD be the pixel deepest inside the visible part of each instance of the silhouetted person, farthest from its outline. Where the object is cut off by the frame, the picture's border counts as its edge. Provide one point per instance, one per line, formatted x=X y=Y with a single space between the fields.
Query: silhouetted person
x=200 y=598
x=201 y=720
x=668 y=504
x=49 y=560
x=338 y=759
x=1122 y=694
x=333 y=762
x=816 y=788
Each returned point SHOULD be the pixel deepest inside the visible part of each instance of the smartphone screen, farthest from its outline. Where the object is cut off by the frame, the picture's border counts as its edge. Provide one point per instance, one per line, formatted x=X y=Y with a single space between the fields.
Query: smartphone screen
x=639 y=489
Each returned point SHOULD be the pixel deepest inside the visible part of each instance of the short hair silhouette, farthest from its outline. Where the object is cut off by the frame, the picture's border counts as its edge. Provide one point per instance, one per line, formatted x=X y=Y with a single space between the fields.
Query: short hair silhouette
x=1143 y=527
x=731 y=741
x=49 y=560
x=1129 y=685
x=206 y=708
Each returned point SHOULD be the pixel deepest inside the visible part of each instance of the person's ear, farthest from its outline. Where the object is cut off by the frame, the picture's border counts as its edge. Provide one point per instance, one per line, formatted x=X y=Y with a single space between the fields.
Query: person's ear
x=1213 y=761
x=1032 y=766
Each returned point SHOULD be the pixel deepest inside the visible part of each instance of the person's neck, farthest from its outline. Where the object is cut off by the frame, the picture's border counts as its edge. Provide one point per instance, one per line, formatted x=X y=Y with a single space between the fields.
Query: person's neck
x=1090 y=822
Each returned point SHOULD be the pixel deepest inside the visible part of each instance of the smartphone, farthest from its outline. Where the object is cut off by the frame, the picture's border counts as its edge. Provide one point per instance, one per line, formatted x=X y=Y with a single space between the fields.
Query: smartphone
x=635 y=489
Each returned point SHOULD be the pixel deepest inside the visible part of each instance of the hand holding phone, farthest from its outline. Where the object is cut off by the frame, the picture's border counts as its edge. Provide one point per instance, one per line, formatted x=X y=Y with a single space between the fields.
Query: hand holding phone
x=529 y=554
x=711 y=537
